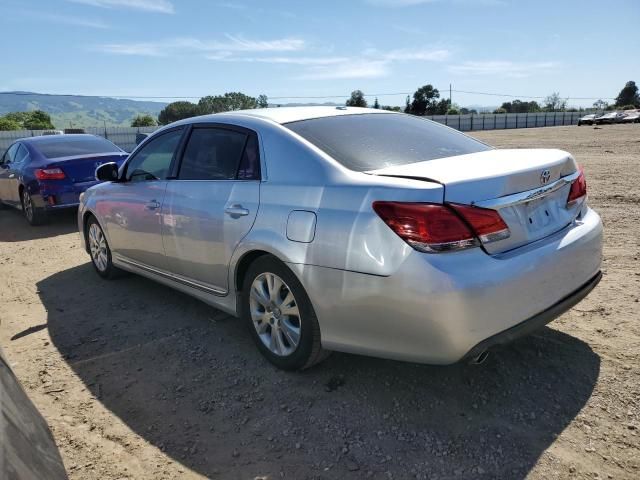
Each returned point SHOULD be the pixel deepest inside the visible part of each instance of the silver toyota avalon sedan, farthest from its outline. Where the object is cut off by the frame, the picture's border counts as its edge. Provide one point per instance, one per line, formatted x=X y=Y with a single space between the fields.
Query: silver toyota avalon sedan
x=349 y=229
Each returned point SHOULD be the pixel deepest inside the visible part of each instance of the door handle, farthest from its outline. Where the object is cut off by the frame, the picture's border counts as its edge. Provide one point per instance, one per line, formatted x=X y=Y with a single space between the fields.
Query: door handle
x=236 y=211
x=152 y=205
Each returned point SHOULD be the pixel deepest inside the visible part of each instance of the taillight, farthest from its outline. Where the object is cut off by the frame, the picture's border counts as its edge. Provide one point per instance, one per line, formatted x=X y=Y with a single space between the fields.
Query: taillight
x=578 y=189
x=49 y=174
x=434 y=228
x=486 y=223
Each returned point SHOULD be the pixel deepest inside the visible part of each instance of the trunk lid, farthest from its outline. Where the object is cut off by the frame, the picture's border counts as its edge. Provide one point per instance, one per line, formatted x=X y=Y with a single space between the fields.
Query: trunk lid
x=82 y=168
x=528 y=187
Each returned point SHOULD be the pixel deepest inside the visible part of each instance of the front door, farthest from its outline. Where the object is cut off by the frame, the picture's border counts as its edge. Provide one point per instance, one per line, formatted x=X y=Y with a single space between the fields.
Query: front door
x=211 y=205
x=132 y=213
x=7 y=175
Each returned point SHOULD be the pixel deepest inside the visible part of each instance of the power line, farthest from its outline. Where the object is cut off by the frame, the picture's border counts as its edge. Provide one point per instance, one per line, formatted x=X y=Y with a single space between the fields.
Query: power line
x=293 y=97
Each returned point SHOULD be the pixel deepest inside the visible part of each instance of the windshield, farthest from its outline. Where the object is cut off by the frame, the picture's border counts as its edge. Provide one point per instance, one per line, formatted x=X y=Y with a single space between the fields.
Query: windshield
x=62 y=146
x=373 y=141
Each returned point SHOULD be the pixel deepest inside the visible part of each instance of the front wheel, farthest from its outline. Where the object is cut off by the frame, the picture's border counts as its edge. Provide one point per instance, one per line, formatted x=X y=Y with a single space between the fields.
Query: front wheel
x=280 y=316
x=35 y=216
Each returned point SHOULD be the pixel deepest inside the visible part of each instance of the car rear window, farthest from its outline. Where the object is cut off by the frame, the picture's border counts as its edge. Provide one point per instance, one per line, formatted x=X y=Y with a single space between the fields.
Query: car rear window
x=373 y=141
x=57 y=146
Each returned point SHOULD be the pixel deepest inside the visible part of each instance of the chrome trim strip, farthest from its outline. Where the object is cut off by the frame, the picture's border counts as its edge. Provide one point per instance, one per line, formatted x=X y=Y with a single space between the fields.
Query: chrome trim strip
x=529 y=195
x=171 y=276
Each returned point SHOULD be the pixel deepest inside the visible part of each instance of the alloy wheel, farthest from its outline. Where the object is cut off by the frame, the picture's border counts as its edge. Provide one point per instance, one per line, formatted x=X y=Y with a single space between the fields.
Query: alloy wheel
x=27 y=205
x=275 y=314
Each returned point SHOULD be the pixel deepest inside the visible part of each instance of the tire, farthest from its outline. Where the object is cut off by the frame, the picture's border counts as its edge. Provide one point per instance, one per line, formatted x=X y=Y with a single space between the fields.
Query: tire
x=269 y=290
x=35 y=216
x=99 y=250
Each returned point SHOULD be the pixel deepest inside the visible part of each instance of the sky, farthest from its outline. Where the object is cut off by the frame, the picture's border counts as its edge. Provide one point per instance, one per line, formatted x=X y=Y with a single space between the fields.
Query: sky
x=285 y=49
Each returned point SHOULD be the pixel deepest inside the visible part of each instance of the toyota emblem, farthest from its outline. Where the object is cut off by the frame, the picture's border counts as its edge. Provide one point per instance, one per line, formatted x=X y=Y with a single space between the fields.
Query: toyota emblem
x=545 y=176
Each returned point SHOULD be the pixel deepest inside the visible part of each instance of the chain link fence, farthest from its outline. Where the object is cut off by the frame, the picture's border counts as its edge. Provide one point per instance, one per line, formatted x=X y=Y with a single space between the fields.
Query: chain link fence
x=125 y=137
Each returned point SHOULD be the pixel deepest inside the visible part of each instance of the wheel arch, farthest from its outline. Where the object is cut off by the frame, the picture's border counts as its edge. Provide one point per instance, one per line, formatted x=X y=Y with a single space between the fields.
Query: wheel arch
x=243 y=264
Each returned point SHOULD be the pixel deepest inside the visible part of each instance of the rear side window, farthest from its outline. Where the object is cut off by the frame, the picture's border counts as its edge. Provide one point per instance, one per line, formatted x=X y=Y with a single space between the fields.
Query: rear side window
x=22 y=155
x=153 y=160
x=10 y=155
x=212 y=154
x=374 y=141
x=66 y=146
x=249 y=168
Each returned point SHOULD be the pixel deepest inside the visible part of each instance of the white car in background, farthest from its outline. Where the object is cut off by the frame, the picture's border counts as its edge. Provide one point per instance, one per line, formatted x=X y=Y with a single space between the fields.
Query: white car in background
x=631 y=116
x=609 y=118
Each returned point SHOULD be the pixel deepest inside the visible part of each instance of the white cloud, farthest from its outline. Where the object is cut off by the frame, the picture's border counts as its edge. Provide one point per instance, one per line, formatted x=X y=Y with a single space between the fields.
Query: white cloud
x=412 y=3
x=217 y=50
x=158 y=6
x=502 y=68
x=69 y=20
x=350 y=69
x=284 y=60
x=371 y=63
x=430 y=55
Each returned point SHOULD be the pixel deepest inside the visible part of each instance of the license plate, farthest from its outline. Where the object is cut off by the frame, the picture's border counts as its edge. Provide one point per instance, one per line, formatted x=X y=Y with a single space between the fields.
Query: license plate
x=539 y=215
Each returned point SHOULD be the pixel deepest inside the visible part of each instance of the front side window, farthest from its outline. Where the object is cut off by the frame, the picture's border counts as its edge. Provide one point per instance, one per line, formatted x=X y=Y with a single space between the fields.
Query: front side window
x=212 y=154
x=374 y=141
x=153 y=160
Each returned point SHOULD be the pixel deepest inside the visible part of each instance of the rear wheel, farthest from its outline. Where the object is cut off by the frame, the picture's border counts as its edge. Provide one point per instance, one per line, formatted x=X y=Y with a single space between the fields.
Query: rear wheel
x=34 y=215
x=99 y=250
x=280 y=316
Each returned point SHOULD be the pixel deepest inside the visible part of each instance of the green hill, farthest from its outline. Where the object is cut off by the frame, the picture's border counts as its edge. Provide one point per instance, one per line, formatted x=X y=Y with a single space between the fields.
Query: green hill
x=77 y=110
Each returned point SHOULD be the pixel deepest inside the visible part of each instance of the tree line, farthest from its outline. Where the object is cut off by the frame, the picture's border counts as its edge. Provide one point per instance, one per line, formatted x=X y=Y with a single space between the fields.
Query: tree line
x=426 y=100
x=34 y=120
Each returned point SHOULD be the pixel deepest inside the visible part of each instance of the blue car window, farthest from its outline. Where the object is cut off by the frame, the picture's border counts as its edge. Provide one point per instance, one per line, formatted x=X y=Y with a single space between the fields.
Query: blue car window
x=22 y=155
x=11 y=154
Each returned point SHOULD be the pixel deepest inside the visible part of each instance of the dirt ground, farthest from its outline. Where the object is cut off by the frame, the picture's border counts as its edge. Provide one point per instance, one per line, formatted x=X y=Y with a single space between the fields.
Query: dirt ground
x=139 y=381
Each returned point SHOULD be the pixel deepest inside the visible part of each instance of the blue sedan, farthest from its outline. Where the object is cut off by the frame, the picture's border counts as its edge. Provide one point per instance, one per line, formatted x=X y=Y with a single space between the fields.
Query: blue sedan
x=42 y=174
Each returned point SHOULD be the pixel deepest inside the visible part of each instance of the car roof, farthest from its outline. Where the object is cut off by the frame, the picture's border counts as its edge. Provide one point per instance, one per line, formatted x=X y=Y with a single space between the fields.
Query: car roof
x=294 y=114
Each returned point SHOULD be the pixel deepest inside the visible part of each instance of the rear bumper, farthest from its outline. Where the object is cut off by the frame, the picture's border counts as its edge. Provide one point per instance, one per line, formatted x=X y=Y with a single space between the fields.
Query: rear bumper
x=439 y=308
x=537 y=321
x=57 y=196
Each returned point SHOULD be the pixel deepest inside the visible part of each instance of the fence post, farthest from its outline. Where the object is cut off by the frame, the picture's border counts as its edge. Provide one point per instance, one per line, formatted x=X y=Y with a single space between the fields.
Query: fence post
x=494 y=121
x=505 y=121
x=483 y=117
x=516 y=120
x=472 y=122
x=545 y=119
x=459 y=123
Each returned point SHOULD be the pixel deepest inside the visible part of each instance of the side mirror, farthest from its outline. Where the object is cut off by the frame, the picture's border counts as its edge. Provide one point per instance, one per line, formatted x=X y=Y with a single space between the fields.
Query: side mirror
x=107 y=172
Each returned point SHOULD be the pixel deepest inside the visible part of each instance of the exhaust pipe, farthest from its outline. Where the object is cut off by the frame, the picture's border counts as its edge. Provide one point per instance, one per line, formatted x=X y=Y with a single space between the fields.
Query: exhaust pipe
x=480 y=358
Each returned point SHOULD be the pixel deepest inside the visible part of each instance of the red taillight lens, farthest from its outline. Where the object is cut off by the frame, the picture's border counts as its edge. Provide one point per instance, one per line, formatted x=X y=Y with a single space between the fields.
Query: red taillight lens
x=438 y=228
x=578 y=189
x=486 y=223
x=426 y=227
x=49 y=174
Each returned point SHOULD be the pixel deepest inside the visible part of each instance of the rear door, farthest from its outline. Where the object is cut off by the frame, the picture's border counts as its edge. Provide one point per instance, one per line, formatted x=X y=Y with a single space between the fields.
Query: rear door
x=132 y=211
x=212 y=204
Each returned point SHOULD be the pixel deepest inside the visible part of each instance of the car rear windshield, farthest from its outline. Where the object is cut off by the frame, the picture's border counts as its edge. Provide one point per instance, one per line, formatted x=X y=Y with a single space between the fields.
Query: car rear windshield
x=373 y=141
x=57 y=146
